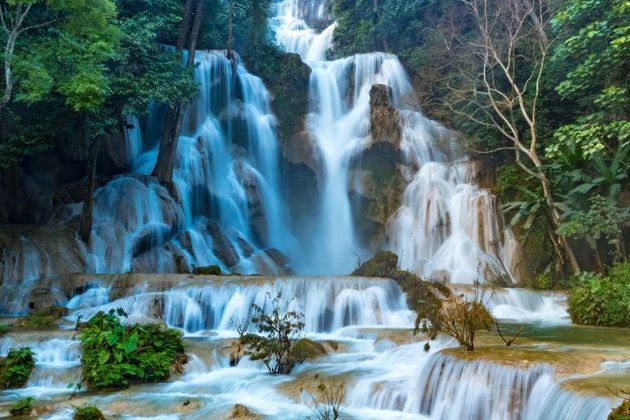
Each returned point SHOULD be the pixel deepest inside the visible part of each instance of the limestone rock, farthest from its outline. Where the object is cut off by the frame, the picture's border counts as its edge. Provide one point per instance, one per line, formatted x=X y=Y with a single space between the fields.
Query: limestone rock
x=384 y=119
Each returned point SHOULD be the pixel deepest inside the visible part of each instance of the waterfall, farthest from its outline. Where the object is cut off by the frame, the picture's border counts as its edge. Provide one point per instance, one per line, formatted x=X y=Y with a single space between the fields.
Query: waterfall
x=446 y=228
x=225 y=209
x=327 y=303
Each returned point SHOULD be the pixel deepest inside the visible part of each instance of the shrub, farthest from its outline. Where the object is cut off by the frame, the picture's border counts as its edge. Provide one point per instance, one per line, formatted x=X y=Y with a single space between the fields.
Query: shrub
x=277 y=334
x=16 y=368
x=87 y=413
x=459 y=317
x=602 y=300
x=328 y=404
x=114 y=355
x=23 y=407
x=43 y=318
x=4 y=329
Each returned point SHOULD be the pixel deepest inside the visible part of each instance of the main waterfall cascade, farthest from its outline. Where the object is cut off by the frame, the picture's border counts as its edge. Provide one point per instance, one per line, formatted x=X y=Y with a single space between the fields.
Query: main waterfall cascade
x=446 y=228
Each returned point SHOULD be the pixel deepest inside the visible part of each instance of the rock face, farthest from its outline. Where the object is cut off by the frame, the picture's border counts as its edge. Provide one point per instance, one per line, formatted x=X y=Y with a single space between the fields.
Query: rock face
x=30 y=192
x=375 y=182
x=384 y=119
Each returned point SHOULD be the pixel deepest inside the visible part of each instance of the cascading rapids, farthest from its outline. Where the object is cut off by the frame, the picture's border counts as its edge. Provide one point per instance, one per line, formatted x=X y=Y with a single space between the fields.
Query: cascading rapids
x=446 y=228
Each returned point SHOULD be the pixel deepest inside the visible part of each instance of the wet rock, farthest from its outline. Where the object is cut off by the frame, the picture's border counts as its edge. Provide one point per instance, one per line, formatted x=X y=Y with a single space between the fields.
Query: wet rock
x=212 y=270
x=307 y=349
x=385 y=265
x=440 y=276
x=222 y=246
x=241 y=412
x=384 y=118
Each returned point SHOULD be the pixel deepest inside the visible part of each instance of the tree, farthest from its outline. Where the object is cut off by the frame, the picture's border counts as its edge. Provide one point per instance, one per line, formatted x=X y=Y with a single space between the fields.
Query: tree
x=459 y=317
x=189 y=31
x=496 y=84
x=276 y=336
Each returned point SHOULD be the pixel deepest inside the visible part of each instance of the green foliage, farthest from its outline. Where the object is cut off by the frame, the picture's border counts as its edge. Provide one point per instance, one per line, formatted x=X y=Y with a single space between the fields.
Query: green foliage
x=276 y=335
x=602 y=300
x=4 y=329
x=115 y=355
x=42 y=318
x=87 y=413
x=593 y=60
x=622 y=412
x=16 y=368
x=23 y=407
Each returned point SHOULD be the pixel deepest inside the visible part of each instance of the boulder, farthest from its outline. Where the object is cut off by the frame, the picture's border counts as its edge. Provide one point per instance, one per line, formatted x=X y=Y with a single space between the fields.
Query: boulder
x=307 y=349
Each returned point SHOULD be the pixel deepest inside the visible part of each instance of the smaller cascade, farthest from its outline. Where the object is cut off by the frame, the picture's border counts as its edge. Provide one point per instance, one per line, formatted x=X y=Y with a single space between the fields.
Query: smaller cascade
x=328 y=304
x=449 y=388
x=522 y=305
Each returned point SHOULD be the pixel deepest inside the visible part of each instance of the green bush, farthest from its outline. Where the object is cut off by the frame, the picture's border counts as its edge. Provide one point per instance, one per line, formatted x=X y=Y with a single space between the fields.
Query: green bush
x=87 y=413
x=601 y=300
x=4 y=329
x=115 y=355
x=43 y=318
x=275 y=339
x=23 y=407
x=16 y=368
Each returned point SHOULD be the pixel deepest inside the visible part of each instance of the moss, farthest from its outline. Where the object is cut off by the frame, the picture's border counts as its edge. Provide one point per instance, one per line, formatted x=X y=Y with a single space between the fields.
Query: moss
x=307 y=349
x=287 y=78
x=622 y=412
x=16 y=368
x=87 y=413
x=4 y=329
x=212 y=270
x=43 y=318
x=23 y=407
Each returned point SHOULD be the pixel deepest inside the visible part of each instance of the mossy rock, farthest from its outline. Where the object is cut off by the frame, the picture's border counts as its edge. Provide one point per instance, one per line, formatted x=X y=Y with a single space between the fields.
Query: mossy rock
x=87 y=413
x=622 y=412
x=307 y=349
x=43 y=318
x=420 y=294
x=212 y=270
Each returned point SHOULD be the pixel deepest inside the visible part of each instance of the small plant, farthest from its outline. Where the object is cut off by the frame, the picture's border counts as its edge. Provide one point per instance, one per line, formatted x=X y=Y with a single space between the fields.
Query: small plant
x=42 y=318
x=76 y=388
x=623 y=411
x=87 y=413
x=276 y=335
x=459 y=317
x=327 y=405
x=16 y=368
x=23 y=407
x=4 y=329
x=115 y=355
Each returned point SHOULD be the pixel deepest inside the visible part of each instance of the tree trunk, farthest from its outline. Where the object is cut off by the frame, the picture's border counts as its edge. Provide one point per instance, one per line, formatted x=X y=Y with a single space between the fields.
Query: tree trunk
x=163 y=168
x=88 y=204
x=562 y=247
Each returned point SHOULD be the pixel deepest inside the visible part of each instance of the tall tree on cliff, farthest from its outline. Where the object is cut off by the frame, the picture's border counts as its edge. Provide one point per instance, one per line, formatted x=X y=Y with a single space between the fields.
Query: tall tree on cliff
x=189 y=31
x=496 y=82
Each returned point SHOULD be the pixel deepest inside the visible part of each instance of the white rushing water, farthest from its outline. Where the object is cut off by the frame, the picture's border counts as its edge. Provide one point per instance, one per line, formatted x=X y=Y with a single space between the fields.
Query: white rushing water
x=446 y=227
x=386 y=373
x=225 y=208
